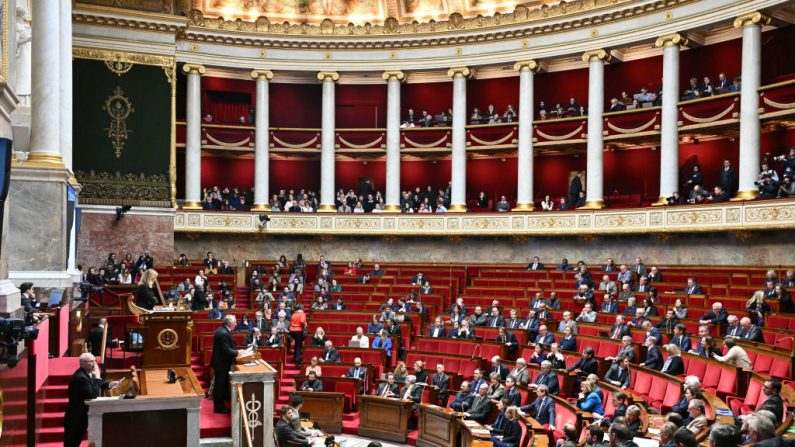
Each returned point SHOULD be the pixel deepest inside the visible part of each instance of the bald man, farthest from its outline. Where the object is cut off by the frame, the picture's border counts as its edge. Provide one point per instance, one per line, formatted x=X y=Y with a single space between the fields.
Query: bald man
x=85 y=384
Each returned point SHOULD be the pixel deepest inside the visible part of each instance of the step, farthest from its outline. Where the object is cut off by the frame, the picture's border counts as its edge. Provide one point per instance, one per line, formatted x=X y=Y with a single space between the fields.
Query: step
x=50 y=434
x=54 y=404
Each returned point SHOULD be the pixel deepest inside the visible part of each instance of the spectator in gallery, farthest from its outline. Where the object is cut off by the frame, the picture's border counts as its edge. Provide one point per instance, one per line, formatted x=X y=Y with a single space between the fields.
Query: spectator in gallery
x=575 y=187
x=547 y=204
x=563 y=205
x=483 y=200
x=616 y=105
x=510 y=115
x=580 y=200
x=574 y=108
x=503 y=205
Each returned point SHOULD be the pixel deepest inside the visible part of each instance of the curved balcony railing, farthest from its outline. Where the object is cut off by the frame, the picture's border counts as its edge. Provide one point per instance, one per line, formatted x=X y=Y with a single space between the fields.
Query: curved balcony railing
x=632 y=126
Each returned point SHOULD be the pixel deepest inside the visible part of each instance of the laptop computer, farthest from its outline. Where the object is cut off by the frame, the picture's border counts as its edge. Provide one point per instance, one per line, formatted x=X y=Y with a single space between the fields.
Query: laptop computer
x=56 y=296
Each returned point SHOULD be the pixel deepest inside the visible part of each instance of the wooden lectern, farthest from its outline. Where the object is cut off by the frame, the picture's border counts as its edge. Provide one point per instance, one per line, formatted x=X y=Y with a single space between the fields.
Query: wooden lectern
x=167 y=333
x=384 y=418
x=439 y=427
x=324 y=408
x=252 y=402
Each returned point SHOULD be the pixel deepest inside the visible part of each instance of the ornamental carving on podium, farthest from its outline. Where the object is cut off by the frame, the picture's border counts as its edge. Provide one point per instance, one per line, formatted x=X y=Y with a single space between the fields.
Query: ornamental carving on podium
x=167 y=340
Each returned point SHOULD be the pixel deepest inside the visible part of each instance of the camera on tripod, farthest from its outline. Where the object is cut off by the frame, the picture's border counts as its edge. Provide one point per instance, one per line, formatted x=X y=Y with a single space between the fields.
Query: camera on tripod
x=12 y=333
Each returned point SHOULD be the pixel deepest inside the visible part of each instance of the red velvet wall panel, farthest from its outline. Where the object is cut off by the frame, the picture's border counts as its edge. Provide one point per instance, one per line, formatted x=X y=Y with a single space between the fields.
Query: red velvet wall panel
x=501 y=92
x=493 y=176
x=632 y=172
x=361 y=106
x=551 y=174
x=227 y=171
x=422 y=173
x=777 y=61
x=631 y=77
x=435 y=97
x=348 y=172
x=295 y=105
x=294 y=174
x=709 y=61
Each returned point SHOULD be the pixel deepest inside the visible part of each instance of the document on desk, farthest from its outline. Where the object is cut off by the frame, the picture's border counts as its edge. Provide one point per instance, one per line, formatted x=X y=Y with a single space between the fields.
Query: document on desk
x=470 y=423
x=480 y=432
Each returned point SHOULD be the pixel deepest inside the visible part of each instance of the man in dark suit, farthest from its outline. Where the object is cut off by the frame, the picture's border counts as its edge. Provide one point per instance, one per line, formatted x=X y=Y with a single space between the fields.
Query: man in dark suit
x=498 y=367
x=772 y=389
x=144 y=262
x=733 y=329
x=312 y=383
x=511 y=393
x=411 y=391
x=680 y=339
x=463 y=399
x=718 y=315
x=224 y=354
x=259 y=323
x=358 y=372
x=654 y=358
x=255 y=338
x=388 y=388
x=85 y=384
x=543 y=407
x=481 y=405
x=751 y=331
x=509 y=340
x=673 y=364
x=544 y=337
x=437 y=330
x=618 y=374
x=274 y=340
x=495 y=319
x=693 y=288
x=626 y=350
x=330 y=354
x=575 y=187
x=728 y=178
x=284 y=432
x=442 y=383
x=514 y=322
x=547 y=378
x=586 y=365
x=620 y=329
x=96 y=335
x=536 y=264
x=477 y=380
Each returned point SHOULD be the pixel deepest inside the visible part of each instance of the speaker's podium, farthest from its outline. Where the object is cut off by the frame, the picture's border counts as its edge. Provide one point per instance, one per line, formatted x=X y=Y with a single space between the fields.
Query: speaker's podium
x=384 y=418
x=164 y=412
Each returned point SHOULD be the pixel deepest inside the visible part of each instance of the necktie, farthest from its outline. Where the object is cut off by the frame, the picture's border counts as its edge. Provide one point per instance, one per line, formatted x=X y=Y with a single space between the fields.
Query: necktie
x=494 y=322
x=615 y=333
x=356 y=374
x=540 y=407
x=386 y=390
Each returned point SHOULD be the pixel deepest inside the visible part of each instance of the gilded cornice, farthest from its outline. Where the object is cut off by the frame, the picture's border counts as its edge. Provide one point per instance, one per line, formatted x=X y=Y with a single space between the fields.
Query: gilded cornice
x=123 y=57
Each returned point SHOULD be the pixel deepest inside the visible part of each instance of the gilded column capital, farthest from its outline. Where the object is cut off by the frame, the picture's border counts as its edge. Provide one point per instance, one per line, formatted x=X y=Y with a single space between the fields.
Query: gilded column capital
x=671 y=40
x=328 y=75
x=753 y=18
x=599 y=54
x=194 y=69
x=456 y=72
x=387 y=75
x=528 y=65
x=262 y=74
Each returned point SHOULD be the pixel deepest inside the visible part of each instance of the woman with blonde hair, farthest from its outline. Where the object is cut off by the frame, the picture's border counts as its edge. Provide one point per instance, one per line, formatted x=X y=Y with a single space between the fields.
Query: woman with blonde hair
x=313 y=367
x=319 y=339
x=400 y=372
x=145 y=294
x=758 y=307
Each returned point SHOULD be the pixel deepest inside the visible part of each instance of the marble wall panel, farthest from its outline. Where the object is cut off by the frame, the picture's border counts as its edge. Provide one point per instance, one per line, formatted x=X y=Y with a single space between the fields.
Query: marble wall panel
x=36 y=233
x=101 y=233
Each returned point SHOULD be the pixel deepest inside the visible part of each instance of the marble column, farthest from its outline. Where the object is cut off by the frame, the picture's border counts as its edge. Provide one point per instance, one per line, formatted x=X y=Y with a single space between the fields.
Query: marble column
x=669 y=116
x=193 y=137
x=458 y=175
x=393 y=79
x=524 y=176
x=594 y=196
x=46 y=87
x=65 y=51
x=751 y=75
x=262 y=141
x=327 y=145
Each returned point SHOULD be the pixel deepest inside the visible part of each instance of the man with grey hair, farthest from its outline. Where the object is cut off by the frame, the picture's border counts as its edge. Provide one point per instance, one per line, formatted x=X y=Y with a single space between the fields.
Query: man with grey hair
x=567 y=322
x=734 y=329
x=632 y=419
x=520 y=373
x=697 y=411
x=84 y=385
x=760 y=428
x=724 y=435
x=751 y=331
x=411 y=391
x=224 y=353
x=547 y=378
x=330 y=354
x=667 y=434
x=481 y=405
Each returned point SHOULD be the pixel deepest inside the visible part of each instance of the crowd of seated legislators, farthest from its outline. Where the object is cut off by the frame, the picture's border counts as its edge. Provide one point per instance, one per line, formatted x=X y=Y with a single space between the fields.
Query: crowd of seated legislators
x=707 y=87
x=227 y=199
x=489 y=115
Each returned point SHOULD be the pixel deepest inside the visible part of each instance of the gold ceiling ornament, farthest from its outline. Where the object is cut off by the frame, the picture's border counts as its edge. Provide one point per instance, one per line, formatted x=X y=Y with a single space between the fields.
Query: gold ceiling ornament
x=529 y=65
x=328 y=75
x=122 y=57
x=119 y=67
x=600 y=54
x=194 y=69
x=262 y=74
x=119 y=108
x=753 y=18
x=399 y=75
x=670 y=40
x=456 y=72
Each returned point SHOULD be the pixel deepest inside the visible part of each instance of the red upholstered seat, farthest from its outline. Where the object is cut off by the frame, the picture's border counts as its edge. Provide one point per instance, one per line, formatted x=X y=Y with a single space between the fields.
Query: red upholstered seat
x=751 y=399
x=780 y=368
x=711 y=378
x=695 y=367
x=728 y=382
x=523 y=439
x=673 y=393
x=563 y=415
x=763 y=363
x=657 y=392
x=641 y=383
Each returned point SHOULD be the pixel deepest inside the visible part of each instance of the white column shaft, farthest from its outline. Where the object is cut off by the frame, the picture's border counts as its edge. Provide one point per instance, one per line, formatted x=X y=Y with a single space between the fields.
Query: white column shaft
x=65 y=39
x=193 y=147
x=261 y=143
x=595 y=174
x=393 y=142
x=459 y=167
x=749 y=107
x=669 y=138
x=524 y=180
x=45 y=80
x=327 y=145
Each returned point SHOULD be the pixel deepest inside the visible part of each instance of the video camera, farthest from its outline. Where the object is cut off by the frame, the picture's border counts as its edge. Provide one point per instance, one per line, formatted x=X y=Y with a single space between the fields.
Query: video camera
x=13 y=332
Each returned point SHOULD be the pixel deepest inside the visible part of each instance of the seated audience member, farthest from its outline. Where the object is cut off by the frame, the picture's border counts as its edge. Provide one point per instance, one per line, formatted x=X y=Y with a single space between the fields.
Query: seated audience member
x=383 y=341
x=508 y=339
x=520 y=373
x=673 y=365
x=735 y=355
x=633 y=421
x=330 y=354
x=588 y=400
x=319 y=338
x=609 y=305
x=544 y=336
x=538 y=355
x=312 y=383
x=626 y=350
x=608 y=286
x=654 y=359
x=553 y=302
x=718 y=315
x=568 y=342
x=437 y=330
x=388 y=388
x=587 y=364
x=441 y=382
x=668 y=323
x=465 y=331
x=509 y=434
x=547 y=204
x=548 y=378
x=698 y=420
x=463 y=399
x=751 y=331
x=314 y=366
x=555 y=357
x=626 y=295
x=619 y=329
x=359 y=338
x=374 y=326
x=285 y=433
x=567 y=322
x=503 y=205
x=481 y=406
x=619 y=374
x=496 y=390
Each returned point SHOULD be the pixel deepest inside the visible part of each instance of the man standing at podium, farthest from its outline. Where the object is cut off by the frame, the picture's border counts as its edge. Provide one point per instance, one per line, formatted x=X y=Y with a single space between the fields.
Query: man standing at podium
x=224 y=354
x=85 y=384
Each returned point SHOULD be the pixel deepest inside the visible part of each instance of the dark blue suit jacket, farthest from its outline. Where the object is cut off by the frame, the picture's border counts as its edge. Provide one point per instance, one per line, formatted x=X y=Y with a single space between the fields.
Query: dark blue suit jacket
x=544 y=410
x=546 y=339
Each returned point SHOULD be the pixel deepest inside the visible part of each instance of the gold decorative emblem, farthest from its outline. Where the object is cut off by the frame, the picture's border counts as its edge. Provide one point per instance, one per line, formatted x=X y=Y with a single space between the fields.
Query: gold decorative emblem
x=167 y=339
x=119 y=108
x=118 y=66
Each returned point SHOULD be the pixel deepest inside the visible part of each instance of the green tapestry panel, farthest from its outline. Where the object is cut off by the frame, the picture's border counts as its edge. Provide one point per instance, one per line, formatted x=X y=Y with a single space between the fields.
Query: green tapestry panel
x=122 y=132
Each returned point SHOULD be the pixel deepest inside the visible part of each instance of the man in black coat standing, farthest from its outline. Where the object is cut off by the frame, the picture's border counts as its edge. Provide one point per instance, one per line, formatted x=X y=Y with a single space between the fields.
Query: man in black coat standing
x=96 y=335
x=575 y=187
x=85 y=384
x=224 y=354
